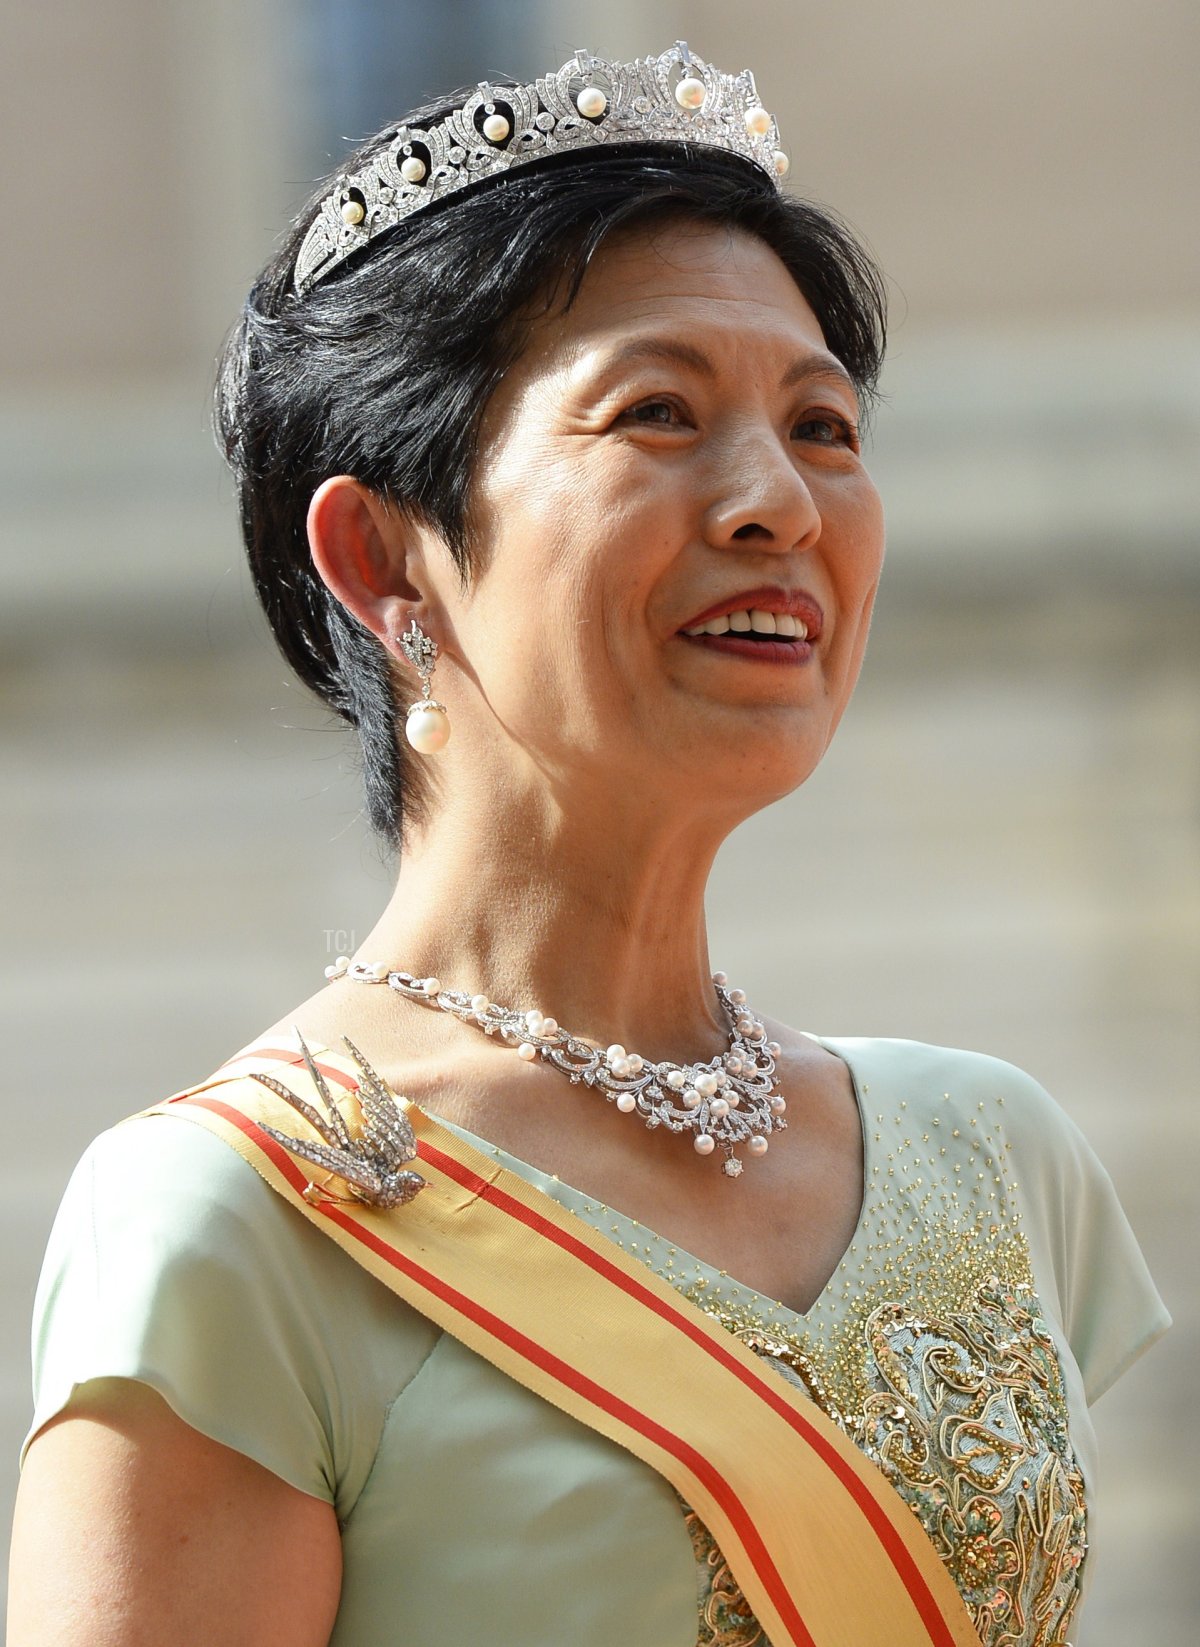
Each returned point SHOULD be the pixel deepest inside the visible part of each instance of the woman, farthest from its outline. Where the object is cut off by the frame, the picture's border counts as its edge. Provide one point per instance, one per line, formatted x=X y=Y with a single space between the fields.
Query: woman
x=546 y=422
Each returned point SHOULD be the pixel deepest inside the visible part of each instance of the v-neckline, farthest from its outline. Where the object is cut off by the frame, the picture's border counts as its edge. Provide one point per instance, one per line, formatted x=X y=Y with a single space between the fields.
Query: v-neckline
x=615 y=1222
x=636 y=1233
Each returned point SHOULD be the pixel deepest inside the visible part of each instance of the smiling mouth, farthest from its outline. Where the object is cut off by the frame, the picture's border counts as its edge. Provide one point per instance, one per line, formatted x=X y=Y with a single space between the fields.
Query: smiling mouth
x=763 y=637
x=762 y=649
x=752 y=626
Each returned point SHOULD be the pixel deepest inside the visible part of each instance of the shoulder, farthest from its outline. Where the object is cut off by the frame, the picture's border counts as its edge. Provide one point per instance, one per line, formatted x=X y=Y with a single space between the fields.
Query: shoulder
x=927 y=1073
x=175 y=1170
x=1086 y=1259
x=165 y=1201
x=178 y=1193
x=158 y=1203
x=172 y=1262
x=1047 y=1154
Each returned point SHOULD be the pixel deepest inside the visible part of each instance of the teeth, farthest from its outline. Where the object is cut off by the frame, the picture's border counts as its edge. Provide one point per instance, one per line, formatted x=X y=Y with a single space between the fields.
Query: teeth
x=761 y=623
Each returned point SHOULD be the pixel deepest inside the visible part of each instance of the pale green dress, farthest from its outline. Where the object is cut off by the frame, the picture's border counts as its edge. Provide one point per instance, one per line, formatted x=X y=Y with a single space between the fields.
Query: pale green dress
x=991 y=1290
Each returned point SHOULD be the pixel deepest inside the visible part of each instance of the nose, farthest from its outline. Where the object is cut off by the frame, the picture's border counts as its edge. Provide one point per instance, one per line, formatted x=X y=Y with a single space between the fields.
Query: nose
x=762 y=501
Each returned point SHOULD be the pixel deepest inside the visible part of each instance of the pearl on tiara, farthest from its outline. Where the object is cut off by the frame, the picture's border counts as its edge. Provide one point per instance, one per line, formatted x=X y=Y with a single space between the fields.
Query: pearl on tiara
x=689 y=93
x=591 y=102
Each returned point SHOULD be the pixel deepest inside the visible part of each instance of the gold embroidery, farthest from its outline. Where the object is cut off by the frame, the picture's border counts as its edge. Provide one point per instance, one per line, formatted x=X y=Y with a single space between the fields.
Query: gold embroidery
x=941 y=1368
x=725 y=1616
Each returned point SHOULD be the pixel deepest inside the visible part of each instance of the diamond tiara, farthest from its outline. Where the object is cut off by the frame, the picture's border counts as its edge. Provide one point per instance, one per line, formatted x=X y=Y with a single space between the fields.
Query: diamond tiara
x=673 y=98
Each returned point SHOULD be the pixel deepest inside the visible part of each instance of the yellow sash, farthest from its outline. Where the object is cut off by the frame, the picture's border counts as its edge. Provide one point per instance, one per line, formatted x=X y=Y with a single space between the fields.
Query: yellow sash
x=825 y=1551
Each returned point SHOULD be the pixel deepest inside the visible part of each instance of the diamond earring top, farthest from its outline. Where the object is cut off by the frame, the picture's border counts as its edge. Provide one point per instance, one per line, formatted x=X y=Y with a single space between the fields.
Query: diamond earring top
x=427 y=726
x=420 y=650
x=590 y=101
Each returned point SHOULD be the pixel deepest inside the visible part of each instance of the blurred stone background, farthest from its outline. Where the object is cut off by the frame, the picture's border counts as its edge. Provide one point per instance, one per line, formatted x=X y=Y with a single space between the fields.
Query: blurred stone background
x=1000 y=851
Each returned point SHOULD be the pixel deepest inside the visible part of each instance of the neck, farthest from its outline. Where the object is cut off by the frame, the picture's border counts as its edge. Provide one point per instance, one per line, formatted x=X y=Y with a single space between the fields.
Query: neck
x=581 y=917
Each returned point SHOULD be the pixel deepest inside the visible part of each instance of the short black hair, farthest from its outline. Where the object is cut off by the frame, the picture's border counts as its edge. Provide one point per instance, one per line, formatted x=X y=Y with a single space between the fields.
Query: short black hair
x=383 y=369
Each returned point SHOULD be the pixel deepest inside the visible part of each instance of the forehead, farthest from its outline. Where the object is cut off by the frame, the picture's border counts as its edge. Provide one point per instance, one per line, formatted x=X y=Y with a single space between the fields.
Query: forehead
x=714 y=285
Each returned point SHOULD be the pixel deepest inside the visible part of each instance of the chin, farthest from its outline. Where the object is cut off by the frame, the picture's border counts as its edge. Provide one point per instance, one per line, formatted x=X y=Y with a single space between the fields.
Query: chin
x=769 y=765
x=790 y=777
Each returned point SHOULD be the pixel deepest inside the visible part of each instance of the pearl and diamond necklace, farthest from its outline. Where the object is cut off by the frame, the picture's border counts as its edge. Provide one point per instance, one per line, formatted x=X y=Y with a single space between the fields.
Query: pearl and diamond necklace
x=729 y=1100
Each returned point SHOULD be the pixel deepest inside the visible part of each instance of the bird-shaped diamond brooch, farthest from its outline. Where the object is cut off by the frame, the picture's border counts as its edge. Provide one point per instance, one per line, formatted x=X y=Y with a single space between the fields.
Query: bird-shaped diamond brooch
x=371 y=1165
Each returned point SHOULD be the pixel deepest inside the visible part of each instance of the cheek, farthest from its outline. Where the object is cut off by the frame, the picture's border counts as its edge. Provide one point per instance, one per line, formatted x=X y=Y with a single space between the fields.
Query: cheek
x=855 y=559
x=573 y=547
x=863 y=532
x=544 y=632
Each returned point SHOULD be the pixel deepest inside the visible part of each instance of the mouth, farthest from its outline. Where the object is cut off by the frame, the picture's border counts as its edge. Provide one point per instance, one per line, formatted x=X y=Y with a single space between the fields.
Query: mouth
x=769 y=625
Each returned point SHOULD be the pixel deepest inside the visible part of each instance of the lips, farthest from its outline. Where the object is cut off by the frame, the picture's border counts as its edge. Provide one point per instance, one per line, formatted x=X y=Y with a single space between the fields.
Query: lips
x=750 y=611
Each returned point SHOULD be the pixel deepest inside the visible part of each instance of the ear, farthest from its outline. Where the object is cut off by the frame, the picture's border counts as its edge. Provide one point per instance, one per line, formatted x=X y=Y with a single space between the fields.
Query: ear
x=367 y=555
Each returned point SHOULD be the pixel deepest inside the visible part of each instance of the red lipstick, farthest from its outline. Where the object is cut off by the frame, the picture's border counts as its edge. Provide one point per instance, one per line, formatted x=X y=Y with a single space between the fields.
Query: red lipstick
x=766 y=598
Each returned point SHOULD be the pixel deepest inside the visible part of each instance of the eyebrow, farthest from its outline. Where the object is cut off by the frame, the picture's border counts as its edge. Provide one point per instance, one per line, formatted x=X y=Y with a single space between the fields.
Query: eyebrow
x=673 y=352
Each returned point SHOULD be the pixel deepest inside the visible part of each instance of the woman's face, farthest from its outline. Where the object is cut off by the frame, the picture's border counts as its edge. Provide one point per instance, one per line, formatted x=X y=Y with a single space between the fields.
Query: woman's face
x=679 y=443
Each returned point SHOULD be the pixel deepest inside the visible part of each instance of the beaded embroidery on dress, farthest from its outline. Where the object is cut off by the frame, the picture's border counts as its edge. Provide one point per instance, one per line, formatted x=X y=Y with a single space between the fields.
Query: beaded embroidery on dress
x=937 y=1362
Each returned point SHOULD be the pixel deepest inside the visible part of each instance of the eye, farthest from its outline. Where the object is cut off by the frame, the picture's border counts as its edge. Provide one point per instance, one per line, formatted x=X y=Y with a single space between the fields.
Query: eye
x=828 y=429
x=654 y=414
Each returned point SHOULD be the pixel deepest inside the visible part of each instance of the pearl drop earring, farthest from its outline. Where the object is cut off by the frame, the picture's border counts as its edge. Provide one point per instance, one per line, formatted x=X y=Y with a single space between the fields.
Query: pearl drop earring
x=427 y=727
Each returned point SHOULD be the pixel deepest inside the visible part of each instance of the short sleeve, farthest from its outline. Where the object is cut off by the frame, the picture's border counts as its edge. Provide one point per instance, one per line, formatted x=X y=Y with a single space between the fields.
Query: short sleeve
x=1110 y=1309
x=173 y=1263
